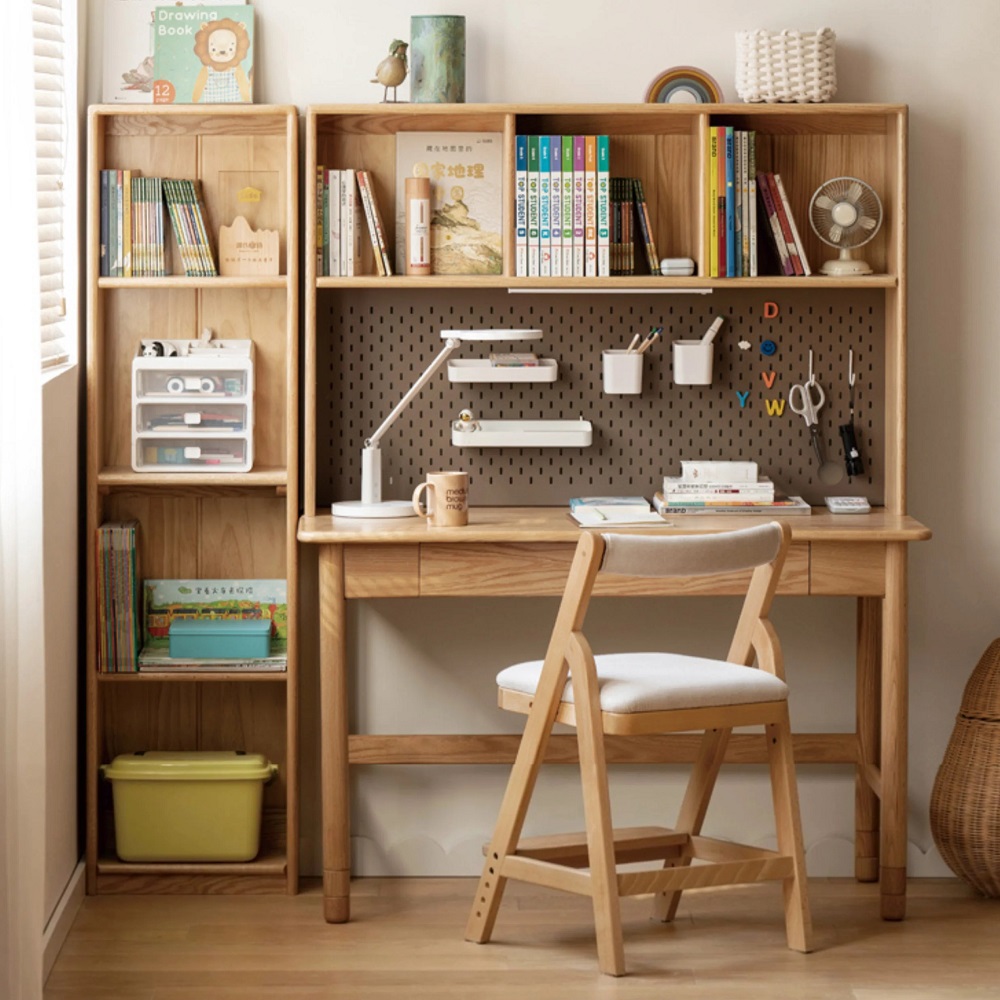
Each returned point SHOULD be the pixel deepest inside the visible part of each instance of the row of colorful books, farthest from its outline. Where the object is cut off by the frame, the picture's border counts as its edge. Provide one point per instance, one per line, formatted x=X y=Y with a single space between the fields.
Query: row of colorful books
x=133 y=232
x=345 y=204
x=569 y=212
x=119 y=620
x=746 y=209
x=708 y=487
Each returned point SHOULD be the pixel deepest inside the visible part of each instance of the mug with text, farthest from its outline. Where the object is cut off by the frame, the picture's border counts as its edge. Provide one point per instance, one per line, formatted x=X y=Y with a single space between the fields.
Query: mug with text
x=447 y=500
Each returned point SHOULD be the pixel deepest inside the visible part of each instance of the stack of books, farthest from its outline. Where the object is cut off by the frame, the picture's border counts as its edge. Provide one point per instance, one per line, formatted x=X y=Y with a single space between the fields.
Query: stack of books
x=724 y=488
x=345 y=202
x=118 y=609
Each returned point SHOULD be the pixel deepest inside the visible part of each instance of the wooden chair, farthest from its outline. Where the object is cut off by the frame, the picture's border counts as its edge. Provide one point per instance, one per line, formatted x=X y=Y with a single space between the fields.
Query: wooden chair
x=641 y=693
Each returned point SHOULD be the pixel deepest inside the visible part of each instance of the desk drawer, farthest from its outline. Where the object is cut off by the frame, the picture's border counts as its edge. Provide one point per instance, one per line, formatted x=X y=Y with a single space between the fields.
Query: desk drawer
x=381 y=571
x=510 y=570
x=857 y=570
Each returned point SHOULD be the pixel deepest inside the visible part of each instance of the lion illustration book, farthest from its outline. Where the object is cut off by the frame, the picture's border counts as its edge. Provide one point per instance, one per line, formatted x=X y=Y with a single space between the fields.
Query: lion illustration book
x=203 y=55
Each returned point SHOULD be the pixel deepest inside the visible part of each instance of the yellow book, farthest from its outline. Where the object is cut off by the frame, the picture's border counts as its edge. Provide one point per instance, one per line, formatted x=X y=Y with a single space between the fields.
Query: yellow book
x=713 y=197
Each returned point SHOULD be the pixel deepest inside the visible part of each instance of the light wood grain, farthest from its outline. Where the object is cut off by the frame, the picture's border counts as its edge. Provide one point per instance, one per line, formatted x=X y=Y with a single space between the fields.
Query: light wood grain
x=191 y=525
x=868 y=701
x=848 y=568
x=382 y=570
x=407 y=942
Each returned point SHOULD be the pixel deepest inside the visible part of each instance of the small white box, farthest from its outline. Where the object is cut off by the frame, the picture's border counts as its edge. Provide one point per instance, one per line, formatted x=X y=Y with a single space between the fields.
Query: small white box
x=192 y=410
x=622 y=371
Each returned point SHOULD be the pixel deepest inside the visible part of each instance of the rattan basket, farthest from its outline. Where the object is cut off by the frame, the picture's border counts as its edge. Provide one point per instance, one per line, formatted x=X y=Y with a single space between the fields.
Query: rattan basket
x=789 y=66
x=965 y=801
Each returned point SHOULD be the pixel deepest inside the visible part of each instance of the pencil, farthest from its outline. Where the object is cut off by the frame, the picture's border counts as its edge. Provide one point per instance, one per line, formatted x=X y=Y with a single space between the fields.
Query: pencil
x=631 y=347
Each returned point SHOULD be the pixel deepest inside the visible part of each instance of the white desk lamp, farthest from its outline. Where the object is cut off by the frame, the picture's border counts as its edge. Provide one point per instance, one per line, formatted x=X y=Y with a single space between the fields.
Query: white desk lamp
x=371 y=503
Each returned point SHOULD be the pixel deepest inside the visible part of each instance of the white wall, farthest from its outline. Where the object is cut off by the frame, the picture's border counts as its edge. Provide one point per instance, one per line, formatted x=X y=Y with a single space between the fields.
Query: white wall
x=939 y=59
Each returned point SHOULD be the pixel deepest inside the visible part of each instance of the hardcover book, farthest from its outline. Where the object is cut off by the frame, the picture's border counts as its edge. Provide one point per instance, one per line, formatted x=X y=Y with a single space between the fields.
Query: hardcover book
x=555 y=197
x=203 y=55
x=521 y=207
x=545 y=206
x=167 y=600
x=128 y=49
x=466 y=174
x=567 y=206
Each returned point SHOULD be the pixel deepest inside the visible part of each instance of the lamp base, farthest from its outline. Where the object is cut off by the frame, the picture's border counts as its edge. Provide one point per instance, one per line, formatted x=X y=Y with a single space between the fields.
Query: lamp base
x=380 y=508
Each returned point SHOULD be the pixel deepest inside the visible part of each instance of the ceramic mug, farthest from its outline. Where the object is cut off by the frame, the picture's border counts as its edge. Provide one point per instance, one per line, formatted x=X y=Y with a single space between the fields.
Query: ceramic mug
x=447 y=501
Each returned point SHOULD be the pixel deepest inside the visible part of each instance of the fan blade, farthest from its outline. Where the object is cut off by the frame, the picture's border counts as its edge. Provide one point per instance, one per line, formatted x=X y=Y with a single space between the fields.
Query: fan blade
x=835 y=233
x=854 y=193
x=866 y=223
x=824 y=201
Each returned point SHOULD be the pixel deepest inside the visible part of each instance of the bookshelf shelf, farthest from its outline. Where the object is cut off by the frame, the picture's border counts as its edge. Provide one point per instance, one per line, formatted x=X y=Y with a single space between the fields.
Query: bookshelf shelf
x=181 y=281
x=259 y=476
x=207 y=525
x=193 y=676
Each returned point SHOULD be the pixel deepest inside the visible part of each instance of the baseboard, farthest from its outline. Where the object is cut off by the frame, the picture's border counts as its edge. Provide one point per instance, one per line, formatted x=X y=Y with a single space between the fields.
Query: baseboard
x=62 y=919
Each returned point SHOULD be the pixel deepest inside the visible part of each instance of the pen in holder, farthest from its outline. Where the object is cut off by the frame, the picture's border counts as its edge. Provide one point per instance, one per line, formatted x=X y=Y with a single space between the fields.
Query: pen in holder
x=693 y=359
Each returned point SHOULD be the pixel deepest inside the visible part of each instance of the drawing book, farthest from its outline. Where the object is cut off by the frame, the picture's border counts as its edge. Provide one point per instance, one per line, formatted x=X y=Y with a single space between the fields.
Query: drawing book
x=466 y=174
x=165 y=600
x=128 y=49
x=203 y=55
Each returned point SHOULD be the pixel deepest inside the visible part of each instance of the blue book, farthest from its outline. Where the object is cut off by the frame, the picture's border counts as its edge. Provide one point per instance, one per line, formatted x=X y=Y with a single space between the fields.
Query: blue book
x=533 y=261
x=521 y=205
x=730 y=207
x=544 y=206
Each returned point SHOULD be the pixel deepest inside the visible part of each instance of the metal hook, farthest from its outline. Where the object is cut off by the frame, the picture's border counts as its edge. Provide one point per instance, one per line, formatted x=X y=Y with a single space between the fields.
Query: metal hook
x=812 y=378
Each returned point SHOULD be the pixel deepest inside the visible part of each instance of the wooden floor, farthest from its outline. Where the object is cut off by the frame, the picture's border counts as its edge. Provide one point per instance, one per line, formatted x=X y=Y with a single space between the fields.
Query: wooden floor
x=406 y=941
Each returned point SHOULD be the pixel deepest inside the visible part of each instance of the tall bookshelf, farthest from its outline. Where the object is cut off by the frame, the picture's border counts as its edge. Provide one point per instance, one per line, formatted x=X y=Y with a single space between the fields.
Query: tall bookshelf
x=196 y=524
x=365 y=324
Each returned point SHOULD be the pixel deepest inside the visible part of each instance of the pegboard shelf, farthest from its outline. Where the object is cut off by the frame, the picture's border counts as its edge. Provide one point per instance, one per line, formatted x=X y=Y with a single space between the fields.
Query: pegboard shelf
x=525 y=434
x=481 y=370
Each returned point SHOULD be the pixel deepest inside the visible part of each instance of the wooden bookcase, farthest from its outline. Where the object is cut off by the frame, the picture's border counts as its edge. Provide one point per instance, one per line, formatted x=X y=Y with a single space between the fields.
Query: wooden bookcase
x=196 y=525
x=379 y=318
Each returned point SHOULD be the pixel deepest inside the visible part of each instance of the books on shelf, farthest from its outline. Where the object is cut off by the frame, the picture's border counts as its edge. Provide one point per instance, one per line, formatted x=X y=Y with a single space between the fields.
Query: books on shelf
x=187 y=215
x=203 y=54
x=521 y=206
x=783 y=235
x=731 y=202
x=466 y=174
x=347 y=207
x=544 y=207
x=167 y=600
x=376 y=230
x=118 y=608
x=633 y=246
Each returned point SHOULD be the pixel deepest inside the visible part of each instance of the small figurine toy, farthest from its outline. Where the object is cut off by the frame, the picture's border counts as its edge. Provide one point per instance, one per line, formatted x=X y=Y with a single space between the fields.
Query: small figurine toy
x=391 y=71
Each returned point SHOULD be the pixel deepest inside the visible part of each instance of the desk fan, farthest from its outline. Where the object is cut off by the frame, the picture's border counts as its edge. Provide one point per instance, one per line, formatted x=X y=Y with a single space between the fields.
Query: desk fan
x=845 y=213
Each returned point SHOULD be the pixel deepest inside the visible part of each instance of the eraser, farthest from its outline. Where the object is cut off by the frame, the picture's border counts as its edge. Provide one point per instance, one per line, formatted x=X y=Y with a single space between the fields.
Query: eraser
x=677 y=265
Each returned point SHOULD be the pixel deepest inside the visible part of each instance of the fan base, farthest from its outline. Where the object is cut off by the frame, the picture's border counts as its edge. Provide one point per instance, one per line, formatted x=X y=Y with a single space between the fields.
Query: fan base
x=848 y=268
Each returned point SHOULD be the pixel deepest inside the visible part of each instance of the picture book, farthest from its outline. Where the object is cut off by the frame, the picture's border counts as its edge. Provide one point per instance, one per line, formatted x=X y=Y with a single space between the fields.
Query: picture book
x=203 y=55
x=128 y=49
x=166 y=600
x=466 y=174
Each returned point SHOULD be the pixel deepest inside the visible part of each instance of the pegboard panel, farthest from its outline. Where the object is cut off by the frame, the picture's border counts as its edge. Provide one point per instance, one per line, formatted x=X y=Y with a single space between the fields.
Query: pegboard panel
x=373 y=344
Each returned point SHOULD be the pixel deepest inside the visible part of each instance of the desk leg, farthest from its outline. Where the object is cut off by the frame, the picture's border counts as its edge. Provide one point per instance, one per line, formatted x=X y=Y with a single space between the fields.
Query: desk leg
x=335 y=772
x=868 y=702
x=894 y=734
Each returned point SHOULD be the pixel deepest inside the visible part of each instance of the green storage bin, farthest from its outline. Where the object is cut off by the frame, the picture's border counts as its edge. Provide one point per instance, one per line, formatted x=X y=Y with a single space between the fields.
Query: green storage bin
x=220 y=638
x=189 y=805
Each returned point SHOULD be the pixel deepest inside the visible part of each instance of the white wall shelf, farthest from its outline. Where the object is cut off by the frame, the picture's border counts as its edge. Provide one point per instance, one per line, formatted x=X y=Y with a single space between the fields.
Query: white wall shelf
x=480 y=370
x=525 y=434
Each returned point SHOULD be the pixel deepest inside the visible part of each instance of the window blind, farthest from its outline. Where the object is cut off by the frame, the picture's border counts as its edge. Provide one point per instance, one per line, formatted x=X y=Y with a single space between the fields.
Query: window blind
x=50 y=156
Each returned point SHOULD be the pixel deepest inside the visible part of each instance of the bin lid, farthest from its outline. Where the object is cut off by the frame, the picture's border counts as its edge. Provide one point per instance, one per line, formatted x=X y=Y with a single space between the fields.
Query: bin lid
x=189 y=765
x=220 y=626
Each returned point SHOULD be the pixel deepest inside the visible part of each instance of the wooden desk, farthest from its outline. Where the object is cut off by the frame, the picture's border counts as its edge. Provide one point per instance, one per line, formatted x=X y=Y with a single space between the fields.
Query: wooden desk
x=526 y=551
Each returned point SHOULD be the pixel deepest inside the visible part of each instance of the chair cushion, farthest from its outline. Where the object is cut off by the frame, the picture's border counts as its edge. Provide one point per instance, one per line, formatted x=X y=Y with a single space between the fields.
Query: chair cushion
x=660 y=682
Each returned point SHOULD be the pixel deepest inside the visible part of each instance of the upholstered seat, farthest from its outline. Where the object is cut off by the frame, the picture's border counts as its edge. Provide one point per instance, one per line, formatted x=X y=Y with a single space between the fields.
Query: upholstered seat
x=635 y=694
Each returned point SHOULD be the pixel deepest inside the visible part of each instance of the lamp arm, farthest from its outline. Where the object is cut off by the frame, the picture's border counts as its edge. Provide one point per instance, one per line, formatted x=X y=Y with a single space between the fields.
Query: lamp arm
x=449 y=345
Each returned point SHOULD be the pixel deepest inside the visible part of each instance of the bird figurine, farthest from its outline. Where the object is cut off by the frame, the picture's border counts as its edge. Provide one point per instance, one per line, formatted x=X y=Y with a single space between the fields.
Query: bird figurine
x=391 y=71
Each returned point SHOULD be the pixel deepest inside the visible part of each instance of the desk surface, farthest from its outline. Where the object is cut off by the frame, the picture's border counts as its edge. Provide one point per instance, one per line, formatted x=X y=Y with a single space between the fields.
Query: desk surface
x=553 y=524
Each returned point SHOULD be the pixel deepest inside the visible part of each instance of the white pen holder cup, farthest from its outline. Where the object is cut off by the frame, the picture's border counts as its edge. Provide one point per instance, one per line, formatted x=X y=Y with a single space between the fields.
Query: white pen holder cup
x=693 y=362
x=622 y=372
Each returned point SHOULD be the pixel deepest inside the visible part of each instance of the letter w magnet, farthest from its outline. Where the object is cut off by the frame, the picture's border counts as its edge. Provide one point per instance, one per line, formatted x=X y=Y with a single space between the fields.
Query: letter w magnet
x=775 y=407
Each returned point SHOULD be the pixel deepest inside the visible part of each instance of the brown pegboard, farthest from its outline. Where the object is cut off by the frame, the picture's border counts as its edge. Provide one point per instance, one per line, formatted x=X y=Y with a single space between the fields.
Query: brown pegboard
x=373 y=344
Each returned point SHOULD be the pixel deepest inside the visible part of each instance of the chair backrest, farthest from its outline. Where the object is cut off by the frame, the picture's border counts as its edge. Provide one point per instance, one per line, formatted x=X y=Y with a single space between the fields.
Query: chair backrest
x=692 y=555
x=761 y=548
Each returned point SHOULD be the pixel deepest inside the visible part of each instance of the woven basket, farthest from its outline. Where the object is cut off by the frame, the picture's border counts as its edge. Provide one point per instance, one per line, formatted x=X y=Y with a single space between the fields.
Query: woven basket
x=965 y=801
x=789 y=66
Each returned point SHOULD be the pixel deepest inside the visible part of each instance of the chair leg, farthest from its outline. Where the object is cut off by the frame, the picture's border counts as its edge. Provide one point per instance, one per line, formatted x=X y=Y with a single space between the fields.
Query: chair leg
x=784 y=789
x=701 y=784
x=510 y=821
x=600 y=832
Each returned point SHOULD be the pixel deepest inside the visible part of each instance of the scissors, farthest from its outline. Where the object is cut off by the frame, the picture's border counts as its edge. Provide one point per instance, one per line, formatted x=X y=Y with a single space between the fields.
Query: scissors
x=807 y=399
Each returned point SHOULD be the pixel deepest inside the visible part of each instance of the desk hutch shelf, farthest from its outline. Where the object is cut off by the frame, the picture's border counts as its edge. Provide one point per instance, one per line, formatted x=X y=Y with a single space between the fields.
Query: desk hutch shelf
x=367 y=337
x=196 y=525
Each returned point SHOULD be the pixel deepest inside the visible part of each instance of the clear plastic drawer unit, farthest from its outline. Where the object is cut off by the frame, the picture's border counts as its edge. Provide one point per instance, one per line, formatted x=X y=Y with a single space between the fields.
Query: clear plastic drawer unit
x=192 y=406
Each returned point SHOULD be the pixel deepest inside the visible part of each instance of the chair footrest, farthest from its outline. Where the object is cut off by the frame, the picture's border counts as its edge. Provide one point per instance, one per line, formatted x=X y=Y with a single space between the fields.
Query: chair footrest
x=633 y=843
x=701 y=876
